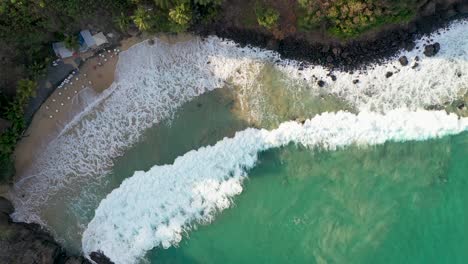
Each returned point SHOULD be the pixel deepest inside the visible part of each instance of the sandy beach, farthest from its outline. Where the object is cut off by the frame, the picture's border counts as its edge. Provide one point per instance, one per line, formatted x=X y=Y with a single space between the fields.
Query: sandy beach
x=96 y=73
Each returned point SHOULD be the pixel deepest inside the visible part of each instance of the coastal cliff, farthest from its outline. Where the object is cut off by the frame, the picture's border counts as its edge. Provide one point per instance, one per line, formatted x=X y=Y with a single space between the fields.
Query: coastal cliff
x=24 y=243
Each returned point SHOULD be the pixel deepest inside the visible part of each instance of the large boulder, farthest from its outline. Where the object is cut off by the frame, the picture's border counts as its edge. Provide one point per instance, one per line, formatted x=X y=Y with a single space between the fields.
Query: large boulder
x=431 y=50
x=22 y=243
x=100 y=258
x=403 y=60
x=5 y=206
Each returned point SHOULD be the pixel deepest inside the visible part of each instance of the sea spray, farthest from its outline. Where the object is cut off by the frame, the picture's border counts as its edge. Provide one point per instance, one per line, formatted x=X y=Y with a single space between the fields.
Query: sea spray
x=154 y=208
x=152 y=81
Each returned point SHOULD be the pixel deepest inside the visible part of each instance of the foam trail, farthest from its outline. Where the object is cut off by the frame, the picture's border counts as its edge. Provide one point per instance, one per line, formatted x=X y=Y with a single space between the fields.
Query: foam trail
x=156 y=207
x=420 y=84
x=152 y=81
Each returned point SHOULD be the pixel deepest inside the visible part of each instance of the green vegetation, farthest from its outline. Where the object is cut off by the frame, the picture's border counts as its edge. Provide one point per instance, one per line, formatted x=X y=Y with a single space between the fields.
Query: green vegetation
x=349 y=18
x=71 y=42
x=267 y=17
x=28 y=27
x=181 y=15
x=14 y=113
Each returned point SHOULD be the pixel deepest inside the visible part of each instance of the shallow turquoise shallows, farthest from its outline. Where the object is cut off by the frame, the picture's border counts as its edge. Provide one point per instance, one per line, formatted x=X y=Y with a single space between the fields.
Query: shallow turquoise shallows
x=395 y=203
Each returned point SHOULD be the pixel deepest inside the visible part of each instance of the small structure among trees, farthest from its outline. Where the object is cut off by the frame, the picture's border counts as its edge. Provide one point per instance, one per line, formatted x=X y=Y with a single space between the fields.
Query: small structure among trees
x=72 y=45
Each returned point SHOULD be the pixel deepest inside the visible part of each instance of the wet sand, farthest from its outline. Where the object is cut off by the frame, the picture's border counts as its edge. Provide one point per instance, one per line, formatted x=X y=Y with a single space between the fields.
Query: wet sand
x=95 y=75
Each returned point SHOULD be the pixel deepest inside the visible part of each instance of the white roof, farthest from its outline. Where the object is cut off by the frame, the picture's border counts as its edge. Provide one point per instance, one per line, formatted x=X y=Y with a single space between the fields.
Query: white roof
x=88 y=39
x=61 y=51
x=100 y=39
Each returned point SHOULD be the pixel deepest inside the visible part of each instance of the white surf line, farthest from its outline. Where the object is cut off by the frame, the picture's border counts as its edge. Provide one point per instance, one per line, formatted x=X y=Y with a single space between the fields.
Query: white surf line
x=154 y=208
x=153 y=81
x=434 y=81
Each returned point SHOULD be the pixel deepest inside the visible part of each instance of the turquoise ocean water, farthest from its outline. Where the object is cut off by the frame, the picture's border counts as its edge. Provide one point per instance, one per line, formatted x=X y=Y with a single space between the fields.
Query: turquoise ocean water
x=394 y=203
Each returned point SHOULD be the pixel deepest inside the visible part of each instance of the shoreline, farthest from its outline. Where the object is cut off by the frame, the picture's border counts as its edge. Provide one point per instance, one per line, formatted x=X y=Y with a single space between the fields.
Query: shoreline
x=93 y=77
x=373 y=47
x=43 y=125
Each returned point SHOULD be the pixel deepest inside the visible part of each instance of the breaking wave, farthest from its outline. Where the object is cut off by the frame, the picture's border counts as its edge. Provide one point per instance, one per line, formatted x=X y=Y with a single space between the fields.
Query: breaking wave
x=152 y=81
x=156 y=207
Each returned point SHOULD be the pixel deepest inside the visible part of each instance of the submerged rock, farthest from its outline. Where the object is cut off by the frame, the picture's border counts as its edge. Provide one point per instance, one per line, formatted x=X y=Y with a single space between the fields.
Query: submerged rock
x=389 y=74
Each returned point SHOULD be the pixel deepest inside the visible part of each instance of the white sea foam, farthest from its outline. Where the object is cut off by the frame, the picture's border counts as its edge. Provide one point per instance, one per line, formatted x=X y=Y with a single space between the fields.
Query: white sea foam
x=152 y=81
x=435 y=81
x=156 y=207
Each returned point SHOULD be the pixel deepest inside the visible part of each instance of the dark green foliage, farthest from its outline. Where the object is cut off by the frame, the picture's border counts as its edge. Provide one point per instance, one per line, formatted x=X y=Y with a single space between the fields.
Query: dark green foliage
x=267 y=17
x=122 y=21
x=14 y=113
x=181 y=15
x=349 y=18
x=71 y=42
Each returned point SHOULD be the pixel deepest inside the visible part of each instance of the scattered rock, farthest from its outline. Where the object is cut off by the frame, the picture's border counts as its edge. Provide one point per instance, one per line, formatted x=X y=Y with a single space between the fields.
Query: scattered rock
x=403 y=60
x=333 y=77
x=416 y=58
x=5 y=206
x=431 y=50
x=415 y=65
x=321 y=83
x=356 y=81
x=389 y=74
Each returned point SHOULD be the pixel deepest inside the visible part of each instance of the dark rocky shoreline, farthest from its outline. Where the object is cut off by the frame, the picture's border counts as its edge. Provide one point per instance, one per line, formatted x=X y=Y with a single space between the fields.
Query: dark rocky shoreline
x=29 y=243
x=25 y=243
x=349 y=55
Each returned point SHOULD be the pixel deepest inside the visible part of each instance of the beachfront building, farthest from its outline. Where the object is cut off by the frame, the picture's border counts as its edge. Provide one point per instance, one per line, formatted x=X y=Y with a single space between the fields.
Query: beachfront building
x=87 y=41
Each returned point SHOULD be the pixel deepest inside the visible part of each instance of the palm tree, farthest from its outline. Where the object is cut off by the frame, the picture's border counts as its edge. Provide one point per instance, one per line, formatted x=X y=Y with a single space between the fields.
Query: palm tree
x=141 y=18
x=122 y=21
